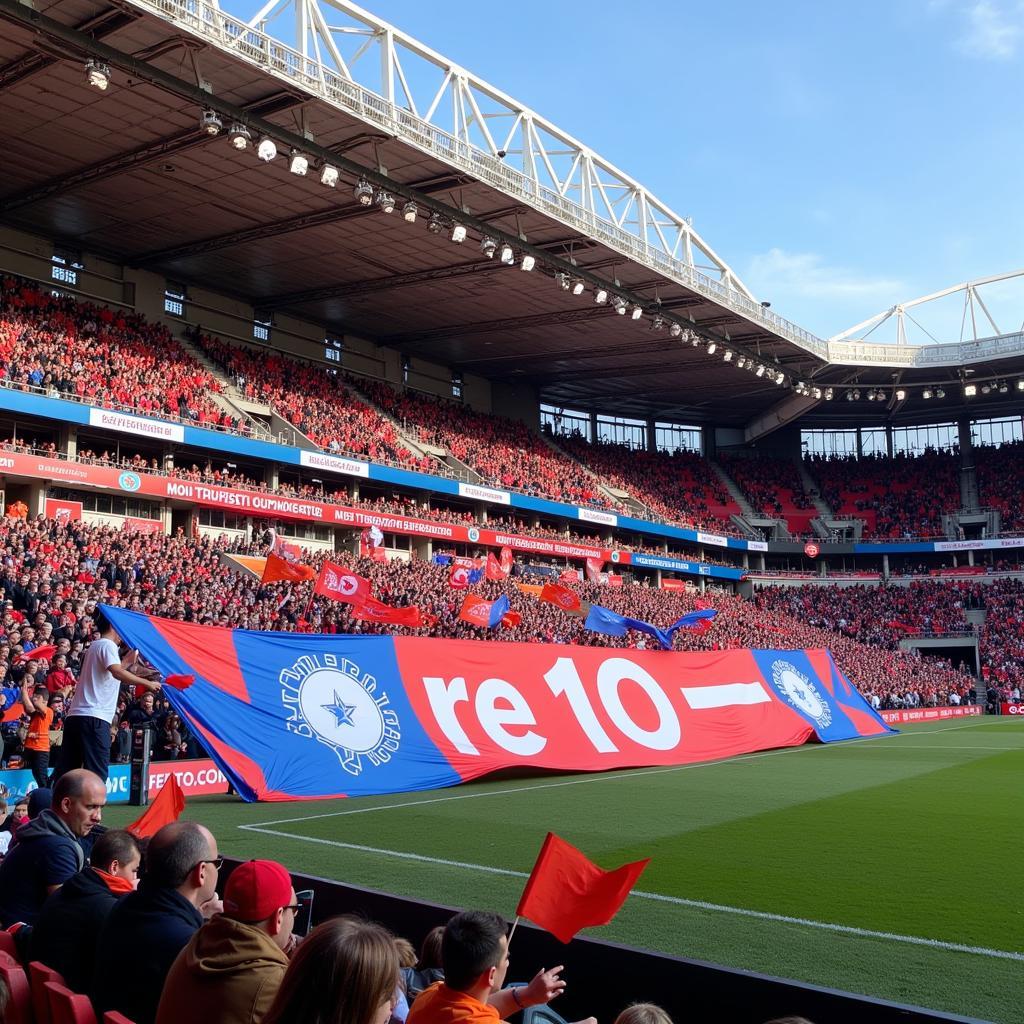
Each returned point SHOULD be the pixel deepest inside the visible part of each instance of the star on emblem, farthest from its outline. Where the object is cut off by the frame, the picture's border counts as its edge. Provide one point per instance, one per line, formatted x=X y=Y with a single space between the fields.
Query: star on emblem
x=341 y=711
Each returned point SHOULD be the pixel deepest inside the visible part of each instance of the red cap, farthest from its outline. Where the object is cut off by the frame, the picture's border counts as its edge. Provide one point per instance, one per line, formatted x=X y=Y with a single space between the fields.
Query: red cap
x=256 y=889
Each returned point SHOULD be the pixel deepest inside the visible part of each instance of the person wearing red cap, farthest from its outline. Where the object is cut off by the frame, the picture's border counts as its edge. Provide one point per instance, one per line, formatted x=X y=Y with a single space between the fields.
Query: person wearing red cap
x=232 y=967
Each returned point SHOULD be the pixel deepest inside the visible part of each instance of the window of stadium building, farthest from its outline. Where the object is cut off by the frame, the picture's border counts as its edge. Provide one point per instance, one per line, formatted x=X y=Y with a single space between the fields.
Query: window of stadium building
x=917 y=440
x=109 y=504
x=261 y=328
x=997 y=432
x=456 y=385
x=174 y=299
x=829 y=443
x=565 y=421
x=672 y=437
x=333 y=348
x=618 y=430
x=66 y=264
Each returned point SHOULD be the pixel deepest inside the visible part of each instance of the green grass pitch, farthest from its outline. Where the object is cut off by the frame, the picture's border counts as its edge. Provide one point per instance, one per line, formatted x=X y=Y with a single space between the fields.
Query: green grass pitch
x=820 y=863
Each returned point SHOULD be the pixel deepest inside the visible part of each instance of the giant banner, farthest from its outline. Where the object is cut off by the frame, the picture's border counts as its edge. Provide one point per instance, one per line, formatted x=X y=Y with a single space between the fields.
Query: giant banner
x=299 y=716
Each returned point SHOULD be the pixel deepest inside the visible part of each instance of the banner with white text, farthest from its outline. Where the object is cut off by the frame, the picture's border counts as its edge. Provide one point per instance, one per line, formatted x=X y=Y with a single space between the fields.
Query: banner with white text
x=300 y=716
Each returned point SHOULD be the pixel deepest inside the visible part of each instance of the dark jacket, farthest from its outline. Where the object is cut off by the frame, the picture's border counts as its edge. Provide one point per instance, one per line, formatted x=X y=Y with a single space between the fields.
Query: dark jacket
x=66 y=931
x=47 y=853
x=137 y=945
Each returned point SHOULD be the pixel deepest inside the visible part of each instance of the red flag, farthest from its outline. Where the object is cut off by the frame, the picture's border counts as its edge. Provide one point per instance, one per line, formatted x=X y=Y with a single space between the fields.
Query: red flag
x=43 y=653
x=494 y=570
x=286 y=549
x=372 y=610
x=165 y=808
x=475 y=610
x=569 y=576
x=593 y=569
x=179 y=682
x=510 y=619
x=505 y=558
x=458 y=577
x=341 y=584
x=278 y=569
x=555 y=593
x=566 y=892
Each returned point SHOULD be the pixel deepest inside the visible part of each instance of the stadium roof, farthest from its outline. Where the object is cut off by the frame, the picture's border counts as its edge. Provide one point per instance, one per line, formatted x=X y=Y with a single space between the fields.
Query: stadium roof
x=128 y=171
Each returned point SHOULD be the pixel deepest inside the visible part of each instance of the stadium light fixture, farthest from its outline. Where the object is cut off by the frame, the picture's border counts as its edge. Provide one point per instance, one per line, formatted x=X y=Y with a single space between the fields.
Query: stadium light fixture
x=239 y=137
x=409 y=212
x=620 y=305
x=849 y=396
x=1020 y=384
x=727 y=356
x=760 y=370
x=363 y=192
x=1002 y=387
x=507 y=255
x=267 y=150
x=386 y=201
x=675 y=330
x=636 y=312
x=97 y=74
x=879 y=395
x=970 y=390
x=829 y=394
x=488 y=246
x=780 y=378
x=329 y=175
x=527 y=263
x=578 y=286
x=712 y=347
x=741 y=362
x=562 y=280
x=298 y=163
x=658 y=323
x=436 y=223
x=694 y=338
x=900 y=394
x=601 y=296
x=458 y=235
x=926 y=394
x=986 y=389
x=210 y=123
x=816 y=394
x=870 y=395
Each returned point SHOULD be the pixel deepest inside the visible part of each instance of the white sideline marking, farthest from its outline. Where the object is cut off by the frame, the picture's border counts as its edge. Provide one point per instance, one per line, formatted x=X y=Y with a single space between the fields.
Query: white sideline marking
x=720 y=908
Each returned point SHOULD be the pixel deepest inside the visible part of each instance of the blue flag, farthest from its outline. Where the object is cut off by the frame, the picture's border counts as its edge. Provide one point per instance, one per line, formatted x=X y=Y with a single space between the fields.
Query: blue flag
x=475 y=576
x=498 y=609
x=441 y=559
x=691 y=619
x=604 y=620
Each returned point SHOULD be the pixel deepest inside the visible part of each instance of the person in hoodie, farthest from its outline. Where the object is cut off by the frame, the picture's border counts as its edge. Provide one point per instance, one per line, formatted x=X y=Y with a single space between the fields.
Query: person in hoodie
x=151 y=926
x=65 y=933
x=232 y=967
x=49 y=847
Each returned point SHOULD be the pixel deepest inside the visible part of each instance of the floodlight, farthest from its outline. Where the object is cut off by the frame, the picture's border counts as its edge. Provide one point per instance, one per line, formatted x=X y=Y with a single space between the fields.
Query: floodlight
x=676 y=329
x=970 y=390
x=578 y=286
x=488 y=246
x=939 y=393
x=816 y=394
x=1002 y=387
x=527 y=263
x=1020 y=384
x=727 y=355
x=620 y=305
x=636 y=312
x=97 y=74
x=563 y=281
x=298 y=163
x=741 y=362
x=507 y=254
x=986 y=389
x=458 y=235
x=363 y=192
x=900 y=394
x=760 y=370
x=601 y=297
x=409 y=212
x=267 y=150
x=828 y=394
x=711 y=348
x=657 y=323
x=239 y=137
x=926 y=394
x=386 y=201
x=210 y=122
x=329 y=175
x=436 y=223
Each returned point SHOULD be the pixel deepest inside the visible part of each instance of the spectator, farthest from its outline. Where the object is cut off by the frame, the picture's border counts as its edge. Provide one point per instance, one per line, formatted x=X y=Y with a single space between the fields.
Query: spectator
x=17 y=817
x=474 y=952
x=232 y=967
x=344 y=972
x=427 y=969
x=151 y=926
x=37 y=742
x=643 y=1013
x=48 y=850
x=87 y=724
x=65 y=933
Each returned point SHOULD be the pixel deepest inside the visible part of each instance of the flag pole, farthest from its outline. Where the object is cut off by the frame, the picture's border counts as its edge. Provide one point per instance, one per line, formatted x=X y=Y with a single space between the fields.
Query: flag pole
x=512 y=932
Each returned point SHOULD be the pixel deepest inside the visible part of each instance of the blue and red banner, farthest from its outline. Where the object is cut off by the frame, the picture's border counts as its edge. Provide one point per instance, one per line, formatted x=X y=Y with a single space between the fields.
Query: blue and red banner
x=299 y=716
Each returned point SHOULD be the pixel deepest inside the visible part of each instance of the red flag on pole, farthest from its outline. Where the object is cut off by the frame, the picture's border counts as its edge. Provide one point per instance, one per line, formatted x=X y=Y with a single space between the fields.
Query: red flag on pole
x=372 y=610
x=341 y=584
x=555 y=593
x=280 y=569
x=593 y=569
x=458 y=577
x=566 y=892
x=494 y=570
x=165 y=808
x=506 y=559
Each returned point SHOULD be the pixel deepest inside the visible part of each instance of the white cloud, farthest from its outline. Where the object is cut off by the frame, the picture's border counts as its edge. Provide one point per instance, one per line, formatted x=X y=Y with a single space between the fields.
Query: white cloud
x=994 y=30
x=806 y=275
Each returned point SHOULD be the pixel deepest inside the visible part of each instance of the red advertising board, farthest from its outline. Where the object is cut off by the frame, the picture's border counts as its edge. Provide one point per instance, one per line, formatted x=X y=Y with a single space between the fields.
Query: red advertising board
x=196 y=778
x=1013 y=709
x=906 y=716
x=143 y=525
x=63 y=511
x=667 y=584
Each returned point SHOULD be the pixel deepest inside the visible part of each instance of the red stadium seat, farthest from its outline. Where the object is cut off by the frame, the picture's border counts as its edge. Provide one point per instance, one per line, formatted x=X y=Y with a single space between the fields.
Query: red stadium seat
x=7 y=944
x=19 y=1005
x=67 y=1007
x=38 y=975
x=113 y=1017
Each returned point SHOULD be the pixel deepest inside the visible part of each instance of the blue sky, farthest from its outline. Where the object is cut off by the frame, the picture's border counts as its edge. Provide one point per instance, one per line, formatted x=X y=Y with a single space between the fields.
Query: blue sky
x=840 y=157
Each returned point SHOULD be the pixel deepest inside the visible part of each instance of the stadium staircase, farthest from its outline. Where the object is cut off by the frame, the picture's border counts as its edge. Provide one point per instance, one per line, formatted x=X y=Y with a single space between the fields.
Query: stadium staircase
x=619 y=498
x=746 y=510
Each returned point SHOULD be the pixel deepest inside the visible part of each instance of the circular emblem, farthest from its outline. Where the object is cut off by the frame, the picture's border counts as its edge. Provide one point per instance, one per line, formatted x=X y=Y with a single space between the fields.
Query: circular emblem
x=338 y=705
x=129 y=481
x=811 y=550
x=616 y=555
x=460 y=577
x=473 y=534
x=799 y=691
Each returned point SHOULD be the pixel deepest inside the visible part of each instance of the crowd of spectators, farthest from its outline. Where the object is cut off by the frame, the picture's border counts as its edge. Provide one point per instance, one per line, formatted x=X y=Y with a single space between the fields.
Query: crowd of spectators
x=316 y=401
x=94 y=354
x=773 y=487
x=678 y=487
x=1001 y=481
x=897 y=497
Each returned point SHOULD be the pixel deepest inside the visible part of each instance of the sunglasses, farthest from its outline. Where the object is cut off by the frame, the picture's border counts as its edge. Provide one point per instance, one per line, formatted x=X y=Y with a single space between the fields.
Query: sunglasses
x=217 y=862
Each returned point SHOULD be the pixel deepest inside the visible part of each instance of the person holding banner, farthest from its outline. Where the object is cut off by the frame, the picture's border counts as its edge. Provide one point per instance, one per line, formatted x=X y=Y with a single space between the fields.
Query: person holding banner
x=86 y=742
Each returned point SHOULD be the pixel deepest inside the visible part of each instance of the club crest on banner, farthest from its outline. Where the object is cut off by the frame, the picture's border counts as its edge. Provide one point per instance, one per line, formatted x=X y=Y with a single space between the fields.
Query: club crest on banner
x=338 y=705
x=347 y=585
x=796 y=688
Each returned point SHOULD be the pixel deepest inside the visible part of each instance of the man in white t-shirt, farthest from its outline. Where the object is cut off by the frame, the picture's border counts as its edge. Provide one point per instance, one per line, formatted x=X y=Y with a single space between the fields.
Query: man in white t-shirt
x=86 y=742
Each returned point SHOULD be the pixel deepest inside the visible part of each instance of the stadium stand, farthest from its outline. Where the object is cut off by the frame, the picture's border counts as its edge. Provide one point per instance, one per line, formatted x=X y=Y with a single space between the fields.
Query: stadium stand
x=773 y=487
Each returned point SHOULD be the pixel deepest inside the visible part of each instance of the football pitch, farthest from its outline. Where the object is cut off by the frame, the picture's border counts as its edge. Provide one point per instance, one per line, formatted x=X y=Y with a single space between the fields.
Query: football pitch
x=889 y=867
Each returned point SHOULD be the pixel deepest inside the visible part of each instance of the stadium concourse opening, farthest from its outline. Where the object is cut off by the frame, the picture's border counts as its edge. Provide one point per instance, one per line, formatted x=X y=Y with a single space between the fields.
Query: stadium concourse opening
x=410 y=439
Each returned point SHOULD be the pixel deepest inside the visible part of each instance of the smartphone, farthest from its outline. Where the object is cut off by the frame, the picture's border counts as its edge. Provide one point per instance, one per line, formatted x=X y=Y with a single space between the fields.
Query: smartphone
x=304 y=915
